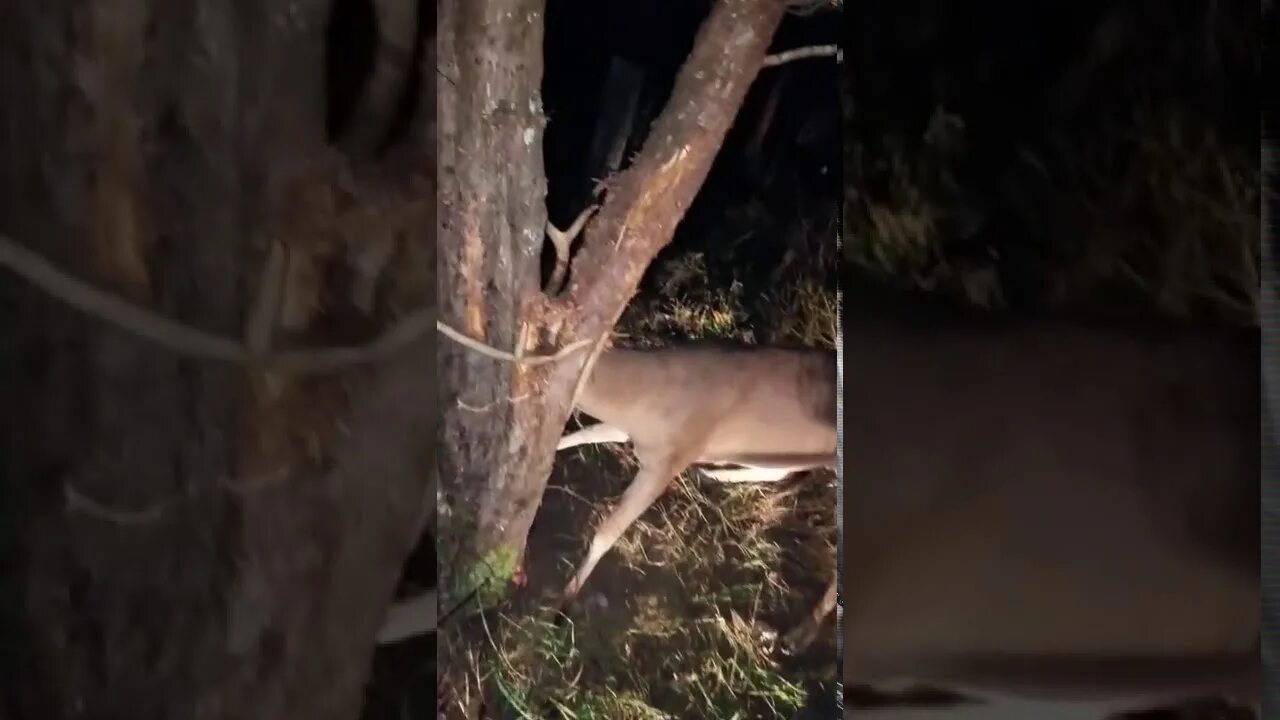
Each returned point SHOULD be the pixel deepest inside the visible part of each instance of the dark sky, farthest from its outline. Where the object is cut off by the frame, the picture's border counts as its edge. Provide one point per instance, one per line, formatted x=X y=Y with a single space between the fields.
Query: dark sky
x=656 y=35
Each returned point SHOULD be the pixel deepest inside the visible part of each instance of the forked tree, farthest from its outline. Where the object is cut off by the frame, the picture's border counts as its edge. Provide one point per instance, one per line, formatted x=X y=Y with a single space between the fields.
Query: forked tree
x=511 y=353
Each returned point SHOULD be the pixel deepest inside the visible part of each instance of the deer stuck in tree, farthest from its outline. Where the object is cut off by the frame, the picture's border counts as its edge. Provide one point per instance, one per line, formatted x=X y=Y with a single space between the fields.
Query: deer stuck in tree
x=769 y=410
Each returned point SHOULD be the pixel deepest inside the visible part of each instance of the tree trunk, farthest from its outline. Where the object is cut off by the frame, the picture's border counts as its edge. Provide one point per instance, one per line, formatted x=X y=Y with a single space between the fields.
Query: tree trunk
x=492 y=213
x=501 y=417
x=184 y=537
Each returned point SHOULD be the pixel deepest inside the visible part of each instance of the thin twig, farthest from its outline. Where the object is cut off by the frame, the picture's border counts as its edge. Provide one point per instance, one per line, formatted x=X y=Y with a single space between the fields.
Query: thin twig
x=405 y=332
x=491 y=405
x=185 y=340
x=493 y=352
x=104 y=306
x=81 y=503
x=800 y=53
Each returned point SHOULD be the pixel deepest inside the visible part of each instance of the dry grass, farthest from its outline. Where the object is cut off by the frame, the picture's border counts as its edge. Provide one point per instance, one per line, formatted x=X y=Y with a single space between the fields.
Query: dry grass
x=704 y=582
x=1176 y=220
x=663 y=666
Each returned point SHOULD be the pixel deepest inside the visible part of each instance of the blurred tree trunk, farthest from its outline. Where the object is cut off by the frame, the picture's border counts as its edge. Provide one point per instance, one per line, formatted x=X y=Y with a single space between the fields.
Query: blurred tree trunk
x=180 y=537
x=501 y=418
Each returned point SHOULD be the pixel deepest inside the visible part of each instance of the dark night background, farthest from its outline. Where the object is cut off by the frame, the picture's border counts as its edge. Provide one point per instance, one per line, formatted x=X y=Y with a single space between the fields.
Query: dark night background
x=1003 y=153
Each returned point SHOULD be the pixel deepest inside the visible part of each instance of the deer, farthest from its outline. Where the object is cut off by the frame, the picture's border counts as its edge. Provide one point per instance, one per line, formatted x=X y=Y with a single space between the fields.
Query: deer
x=1054 y=519
x=771 y=411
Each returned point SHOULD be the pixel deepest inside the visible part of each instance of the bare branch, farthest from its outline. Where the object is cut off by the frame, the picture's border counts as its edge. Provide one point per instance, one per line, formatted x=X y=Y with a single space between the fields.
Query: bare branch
x=495 y=353
x=562 y=240
x=102 y=305
x=801 y=53
x=80 y=503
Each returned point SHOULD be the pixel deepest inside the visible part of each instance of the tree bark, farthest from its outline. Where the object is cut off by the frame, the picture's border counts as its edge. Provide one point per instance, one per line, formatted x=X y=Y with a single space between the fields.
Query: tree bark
x=183 y=538
x=501 y=418
x=492 y=213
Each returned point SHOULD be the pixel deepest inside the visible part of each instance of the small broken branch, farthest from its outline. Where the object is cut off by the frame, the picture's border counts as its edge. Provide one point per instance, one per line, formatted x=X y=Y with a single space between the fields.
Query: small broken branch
x=78 y=502
x=801 y=53
x=495 y=353
x=562 y=240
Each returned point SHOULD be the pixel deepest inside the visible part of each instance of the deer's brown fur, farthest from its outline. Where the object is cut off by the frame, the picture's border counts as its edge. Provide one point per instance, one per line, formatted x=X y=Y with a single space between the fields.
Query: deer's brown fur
x=771 y=410
x=1051 y=511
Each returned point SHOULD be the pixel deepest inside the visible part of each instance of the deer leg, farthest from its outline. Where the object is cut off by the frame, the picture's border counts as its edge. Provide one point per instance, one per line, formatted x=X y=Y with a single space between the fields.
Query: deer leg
x=803 y=634
x=650 y=482
x=747 y=474
x=593 y=435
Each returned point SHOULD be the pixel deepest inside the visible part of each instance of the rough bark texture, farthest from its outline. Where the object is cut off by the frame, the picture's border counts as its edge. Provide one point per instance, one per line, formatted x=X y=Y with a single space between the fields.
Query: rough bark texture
x=492 y=213
x=179 y=538
x=501 y=419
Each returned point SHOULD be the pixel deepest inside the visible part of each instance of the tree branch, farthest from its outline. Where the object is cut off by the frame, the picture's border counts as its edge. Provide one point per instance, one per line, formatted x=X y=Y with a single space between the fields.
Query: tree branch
x=648 y=200
x=801 y=53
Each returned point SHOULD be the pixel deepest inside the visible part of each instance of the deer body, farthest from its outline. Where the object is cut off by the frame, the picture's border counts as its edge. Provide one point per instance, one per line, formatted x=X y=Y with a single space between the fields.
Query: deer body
x=771 y=410
x=1051 y=513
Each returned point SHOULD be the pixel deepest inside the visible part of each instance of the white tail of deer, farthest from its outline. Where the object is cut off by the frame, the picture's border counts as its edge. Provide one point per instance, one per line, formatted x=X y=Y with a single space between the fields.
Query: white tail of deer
x=1051 y=514
x=770 y=410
